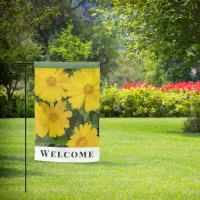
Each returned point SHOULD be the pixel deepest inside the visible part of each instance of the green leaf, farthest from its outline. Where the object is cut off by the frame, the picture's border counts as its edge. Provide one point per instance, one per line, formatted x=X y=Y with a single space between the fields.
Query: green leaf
x=61 y=141
x=95 y=120
x=84 y=114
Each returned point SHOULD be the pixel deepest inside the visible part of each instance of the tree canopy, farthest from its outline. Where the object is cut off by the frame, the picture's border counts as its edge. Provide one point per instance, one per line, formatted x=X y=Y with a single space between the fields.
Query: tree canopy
x=48 y=30
x=156 y=27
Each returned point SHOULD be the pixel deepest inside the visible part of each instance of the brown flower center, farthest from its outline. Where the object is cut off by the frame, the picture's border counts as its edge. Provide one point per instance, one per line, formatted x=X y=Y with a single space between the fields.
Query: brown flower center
x=88 y=89
x=53 y=117
x=51 y=81
x=82 y=142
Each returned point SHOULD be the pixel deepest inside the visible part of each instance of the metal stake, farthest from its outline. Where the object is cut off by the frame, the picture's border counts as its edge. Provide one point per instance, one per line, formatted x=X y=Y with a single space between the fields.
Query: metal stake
x=25 y=64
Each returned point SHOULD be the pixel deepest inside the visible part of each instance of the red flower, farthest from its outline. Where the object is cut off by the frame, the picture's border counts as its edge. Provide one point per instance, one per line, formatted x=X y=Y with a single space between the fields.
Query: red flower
x=175 y=87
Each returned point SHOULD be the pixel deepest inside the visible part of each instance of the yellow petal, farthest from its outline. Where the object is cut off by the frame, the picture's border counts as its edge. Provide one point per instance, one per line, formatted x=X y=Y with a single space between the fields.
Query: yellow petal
x=77 y=101
x=92 y=101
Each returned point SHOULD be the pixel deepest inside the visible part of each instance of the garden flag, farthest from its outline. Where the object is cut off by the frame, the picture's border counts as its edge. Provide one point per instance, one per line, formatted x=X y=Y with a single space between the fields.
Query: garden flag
x=67 y=111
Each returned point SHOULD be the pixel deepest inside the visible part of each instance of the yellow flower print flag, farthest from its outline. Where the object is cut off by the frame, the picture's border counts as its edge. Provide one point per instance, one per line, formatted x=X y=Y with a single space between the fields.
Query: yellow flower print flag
x=67 y=111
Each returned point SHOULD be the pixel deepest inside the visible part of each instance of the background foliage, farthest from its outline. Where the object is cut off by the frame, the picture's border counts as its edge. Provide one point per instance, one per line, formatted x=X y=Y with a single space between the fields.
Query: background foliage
x=147 y=102
x=49 y=30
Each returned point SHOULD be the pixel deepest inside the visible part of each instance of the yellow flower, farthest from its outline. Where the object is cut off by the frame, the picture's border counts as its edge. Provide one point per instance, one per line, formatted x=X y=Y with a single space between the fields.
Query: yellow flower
x=40 y=121
x=84 y=87
x=56 y=118
x=85 y=136
x=50 y=83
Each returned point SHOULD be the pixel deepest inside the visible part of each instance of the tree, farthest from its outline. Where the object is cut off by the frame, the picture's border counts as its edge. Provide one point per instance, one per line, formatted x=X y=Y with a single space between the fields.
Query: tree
x=166 y=70
x=30 y=28
x=18 y=25
x=68 y=47
x=102 y=43
x=15 y=42
x=9 y=80
x=90 y=28
x=52 y=16
x=128 y=71
x=157 y=27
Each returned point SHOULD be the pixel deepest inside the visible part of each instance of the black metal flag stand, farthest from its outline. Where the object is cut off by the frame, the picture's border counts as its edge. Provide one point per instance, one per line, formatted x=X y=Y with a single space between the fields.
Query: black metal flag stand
x=24 y=64
x=104 y=60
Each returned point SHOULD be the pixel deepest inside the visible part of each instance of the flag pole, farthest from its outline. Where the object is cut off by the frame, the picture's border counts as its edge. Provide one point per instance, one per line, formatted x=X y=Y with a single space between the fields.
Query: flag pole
x=25 y=64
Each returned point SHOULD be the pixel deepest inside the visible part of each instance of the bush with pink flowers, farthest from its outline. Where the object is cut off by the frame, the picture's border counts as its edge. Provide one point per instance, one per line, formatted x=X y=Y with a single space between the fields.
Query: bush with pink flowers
x=172 y=87
x=143 y=100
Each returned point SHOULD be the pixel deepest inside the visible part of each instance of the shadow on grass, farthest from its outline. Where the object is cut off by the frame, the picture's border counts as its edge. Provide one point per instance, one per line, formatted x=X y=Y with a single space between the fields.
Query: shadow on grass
x=106 y=164
x=10 y=171
x=5 y=159
x=196 y=135
x=185 y=134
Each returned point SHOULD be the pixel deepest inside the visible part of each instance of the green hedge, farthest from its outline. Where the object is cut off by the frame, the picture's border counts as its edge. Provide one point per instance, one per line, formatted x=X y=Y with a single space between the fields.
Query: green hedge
x=146 y=102
x=137 y=102
x=16 y=107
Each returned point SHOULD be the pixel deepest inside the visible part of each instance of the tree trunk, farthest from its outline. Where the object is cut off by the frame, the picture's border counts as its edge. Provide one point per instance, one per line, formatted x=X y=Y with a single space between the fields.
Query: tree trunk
x=9 y=93
x=10 y=90
x=198 y=4
x=44 y=38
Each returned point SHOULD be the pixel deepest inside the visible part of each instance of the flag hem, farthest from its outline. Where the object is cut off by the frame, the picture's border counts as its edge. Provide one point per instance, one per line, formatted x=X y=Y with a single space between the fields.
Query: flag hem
x=66 y=65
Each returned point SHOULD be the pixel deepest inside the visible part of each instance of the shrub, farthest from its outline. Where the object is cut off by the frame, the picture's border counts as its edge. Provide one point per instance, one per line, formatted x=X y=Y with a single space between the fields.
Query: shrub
x=135 y=102
x=193 y=123
x=146 y=102
x=16 y=107
x=108 y=97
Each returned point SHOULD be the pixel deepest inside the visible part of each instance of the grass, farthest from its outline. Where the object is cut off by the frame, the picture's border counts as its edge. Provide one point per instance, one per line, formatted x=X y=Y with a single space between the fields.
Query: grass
x=140 y=159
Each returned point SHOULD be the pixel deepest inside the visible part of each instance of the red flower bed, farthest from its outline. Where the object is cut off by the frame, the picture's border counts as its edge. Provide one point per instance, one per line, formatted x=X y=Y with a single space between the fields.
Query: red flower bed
x=181 y=86
x=138 y=85
x=184 y=86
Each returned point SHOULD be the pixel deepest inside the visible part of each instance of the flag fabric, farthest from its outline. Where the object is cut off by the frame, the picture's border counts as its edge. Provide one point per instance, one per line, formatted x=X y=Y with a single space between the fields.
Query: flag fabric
x=67 y=103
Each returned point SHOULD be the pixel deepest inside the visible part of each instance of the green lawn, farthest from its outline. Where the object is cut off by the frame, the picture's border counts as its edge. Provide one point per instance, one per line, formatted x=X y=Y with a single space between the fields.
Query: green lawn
x=140 y=159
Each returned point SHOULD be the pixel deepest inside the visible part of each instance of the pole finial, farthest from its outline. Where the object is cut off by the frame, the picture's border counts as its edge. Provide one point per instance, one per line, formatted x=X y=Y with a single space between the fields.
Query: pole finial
x=103 y=57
